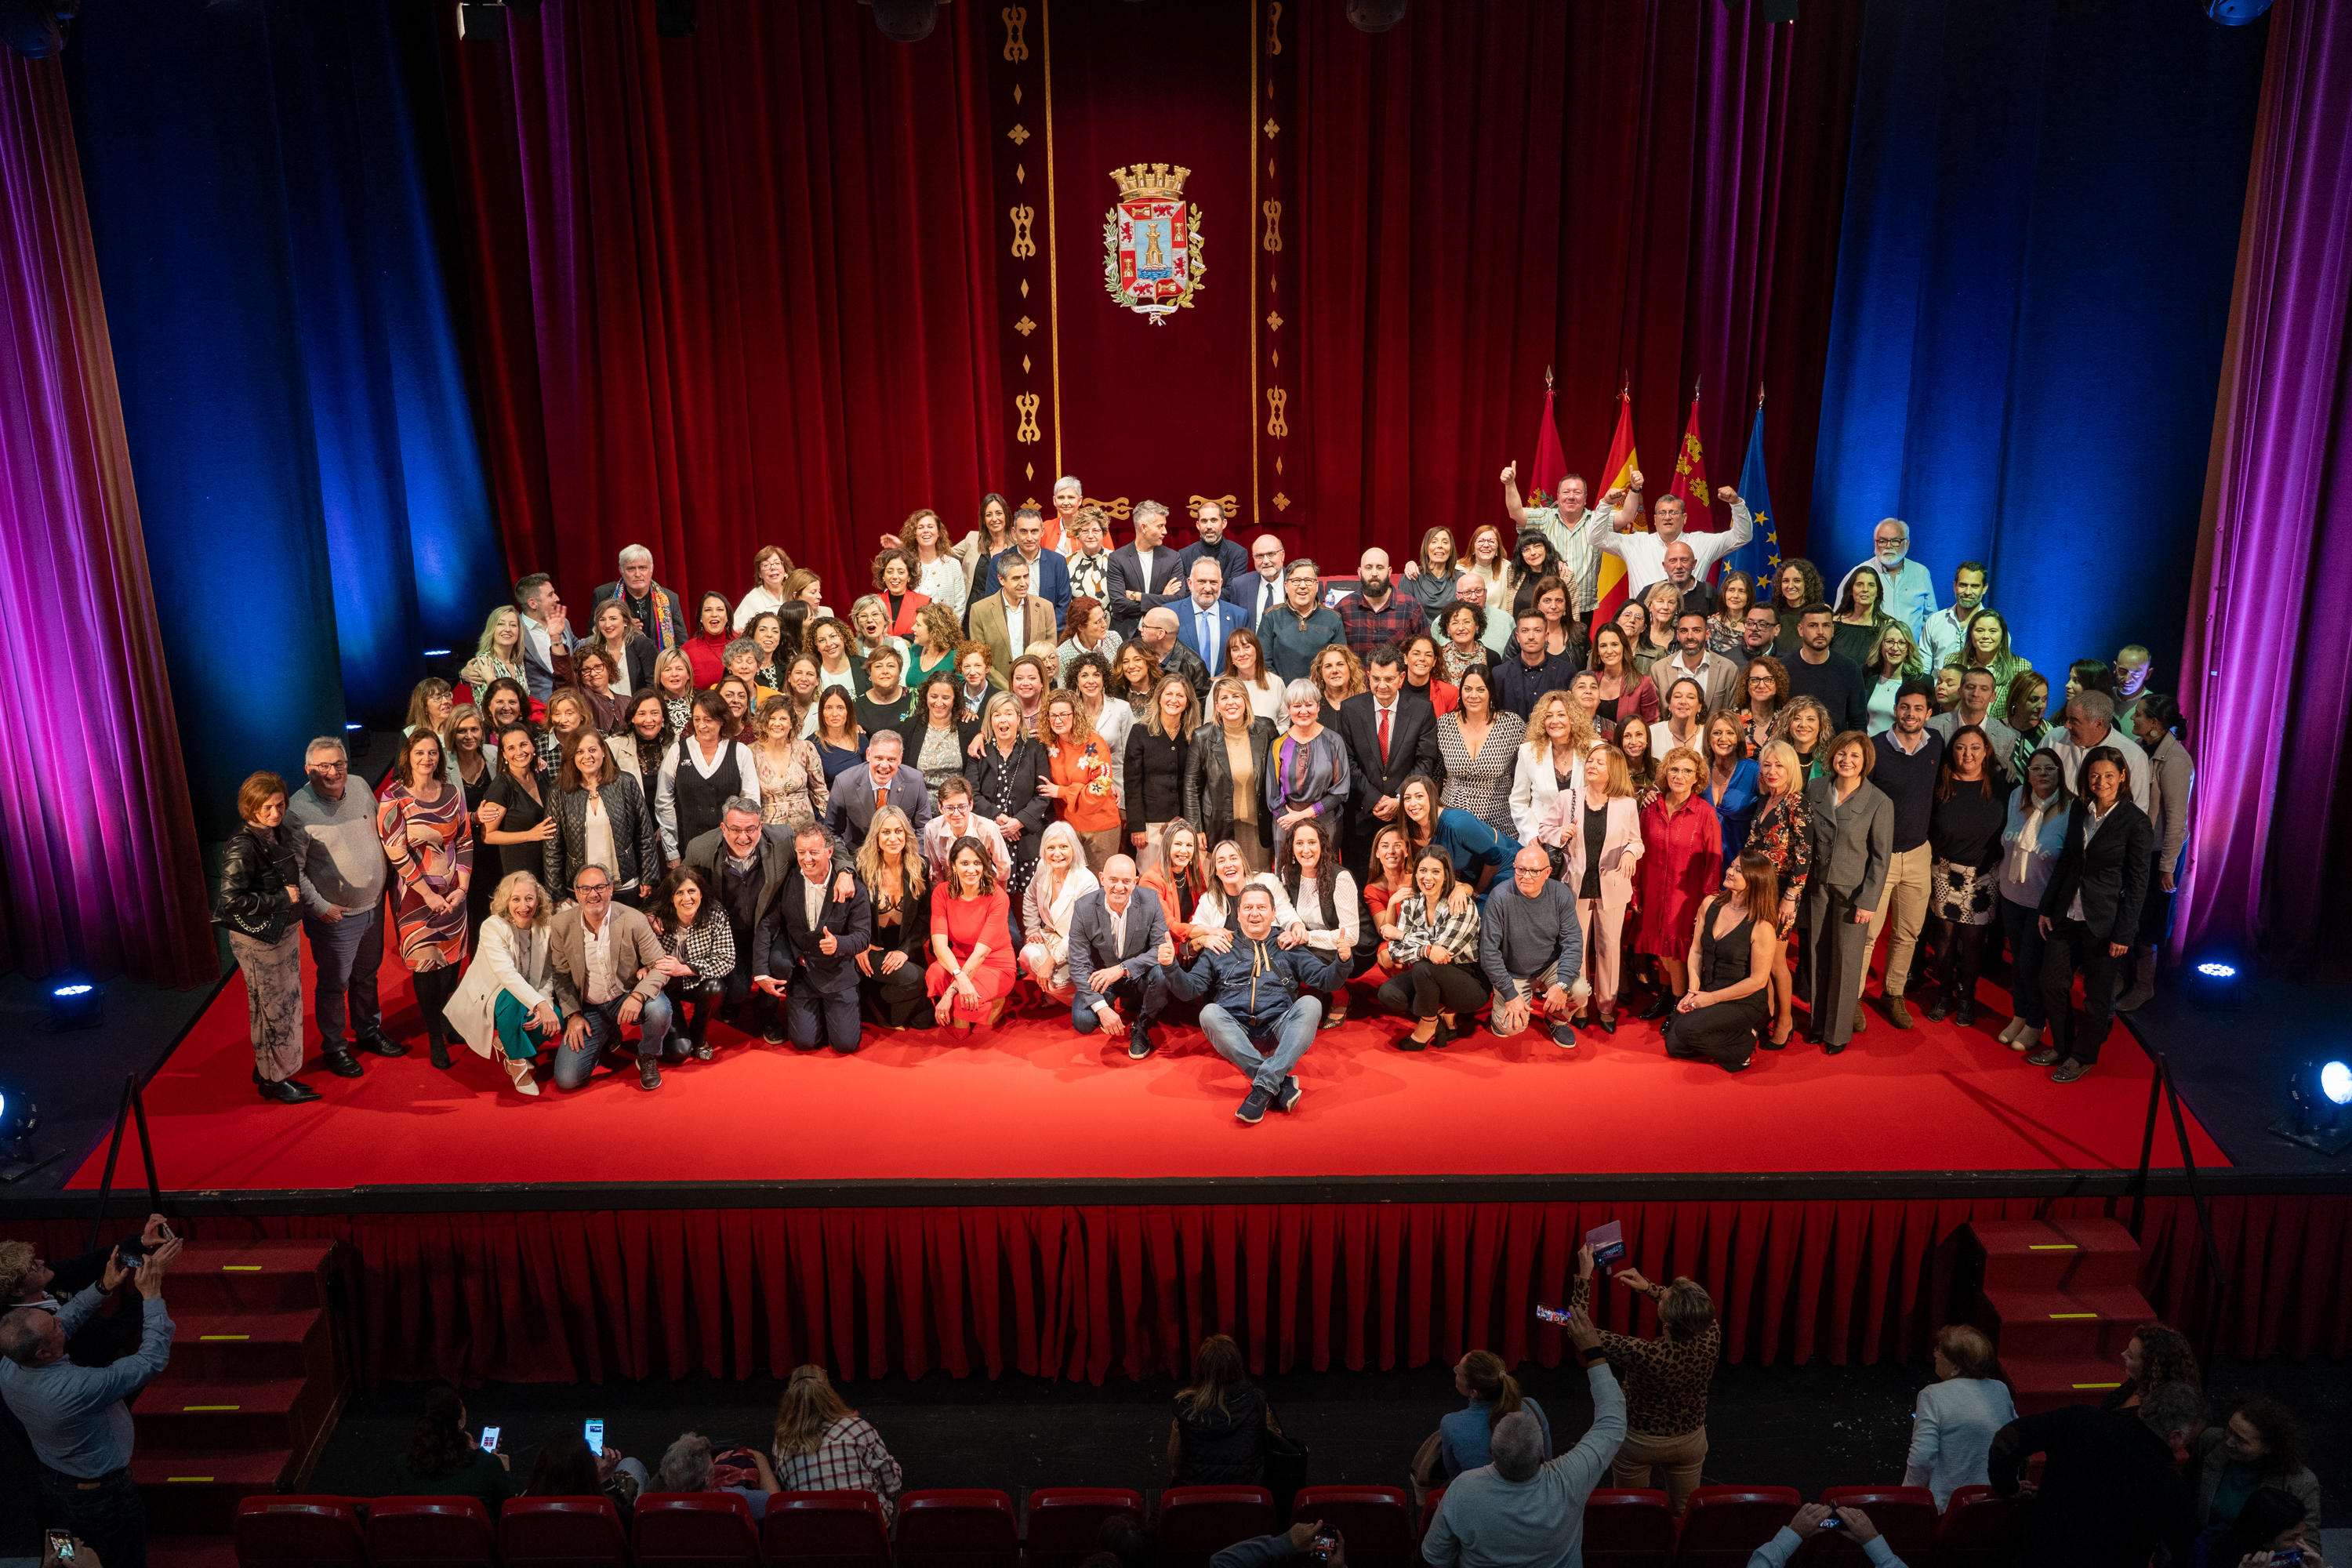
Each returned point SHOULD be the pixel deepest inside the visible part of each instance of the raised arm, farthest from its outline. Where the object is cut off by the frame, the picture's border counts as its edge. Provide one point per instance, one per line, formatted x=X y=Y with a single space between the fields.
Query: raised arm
x=1512 y=506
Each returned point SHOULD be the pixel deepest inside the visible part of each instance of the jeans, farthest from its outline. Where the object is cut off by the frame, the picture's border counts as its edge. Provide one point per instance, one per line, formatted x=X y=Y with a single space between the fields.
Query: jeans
x=107 y=1513
x=346 y=954
x=2026 y=941
x=1290 y=1034
x=572 y=1068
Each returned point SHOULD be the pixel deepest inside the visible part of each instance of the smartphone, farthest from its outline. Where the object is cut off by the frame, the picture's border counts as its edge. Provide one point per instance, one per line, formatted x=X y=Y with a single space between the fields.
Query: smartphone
x=61 y=1546
x=2291 y=1558
x=595 y=1433
x=1551 y=1315
x=489 y=1439
x=1833 y=1523
x=1323 y=1545
x=1608 y=1242
x=131 y=1254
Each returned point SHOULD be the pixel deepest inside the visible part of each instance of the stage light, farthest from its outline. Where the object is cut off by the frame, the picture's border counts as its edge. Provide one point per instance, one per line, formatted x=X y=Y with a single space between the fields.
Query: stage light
x=2235 y=13
x=2320 y=1093
x=905 y=21
x=2214 y=986
x=1375 y=15
x=75 y=1003
x=436 y=653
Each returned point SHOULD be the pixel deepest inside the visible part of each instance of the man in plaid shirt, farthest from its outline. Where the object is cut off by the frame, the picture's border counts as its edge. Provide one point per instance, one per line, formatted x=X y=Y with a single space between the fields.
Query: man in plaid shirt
x=1376 y=614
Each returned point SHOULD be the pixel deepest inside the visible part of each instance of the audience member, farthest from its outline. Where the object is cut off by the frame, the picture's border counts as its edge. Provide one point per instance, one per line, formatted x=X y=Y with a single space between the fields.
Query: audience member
x=566 y=1468
x=1782 y=833
x=2090 y=912
x=1048 y=905
x=1627 y=696
x=1389 y=739
x=1259 y=589
x=547 y=639
x=1008 y=620
x=1653 y=634
x=2272 y=1530
x=699 y=774
x=1256 y=1011
x=1156 y=636
x=971 y=969
x=1860 y=620
x=1081 y=777
x=958 y=820
x=1721 y=1016
x=1478 y=747
x=607 y=977
x=1158 y=760
x=1418 y=652
x=840 y=743
x=2110 y=1493
x=1666 y=1379
x=1461 y=630
x=1338 y=675
x=1764 y=685
x=1964 y=842
x=1519 y=1508
x=1886 y=664
x=1853 y=823
x=982 y=545
x=2155 y=1354
x=1815 y=1517
x=443 y=1460
x=1729 y=784
x=1693 y=658
x=1217 y=1437
x=1953 y=1424
x=1528 y=674
x=2258 y=1447
x=1476 y=851
x=1907 y=590
x=1908 y=763
x=1532 y=950
x=1831 y=678
x=1323 y=897
x=504 y=1007
x=688 y=1465
x=1298 y=628
x=1006 y=775
x=342 y=882
x=1726 y=629
x=1206 y=619
x=1482 y=1379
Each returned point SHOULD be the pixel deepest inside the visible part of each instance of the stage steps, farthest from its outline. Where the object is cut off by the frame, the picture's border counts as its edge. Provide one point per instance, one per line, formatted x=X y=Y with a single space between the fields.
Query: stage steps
x=2060 y=1300
x=258 y=1377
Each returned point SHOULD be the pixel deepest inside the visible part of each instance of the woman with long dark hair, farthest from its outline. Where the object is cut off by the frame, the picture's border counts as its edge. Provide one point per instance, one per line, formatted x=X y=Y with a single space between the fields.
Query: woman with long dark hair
x=644 y=736
x=1480 y=745
x=1322 y=893
x=429 y=837
x=699 y=774
x=1218 y=1436
x=600 y=817
x=1627 y=696
x=1726 y=996
x=706 y=650
x=697 y=951
x=1435 y=955
x=1159 y=755
x=1964 y=834
x=971 y=970
x=1732 y=597
x=442 y=1459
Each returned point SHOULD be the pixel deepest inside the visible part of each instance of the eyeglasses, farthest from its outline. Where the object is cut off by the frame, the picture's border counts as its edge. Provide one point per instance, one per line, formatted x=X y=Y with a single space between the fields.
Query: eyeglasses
x=330 y=767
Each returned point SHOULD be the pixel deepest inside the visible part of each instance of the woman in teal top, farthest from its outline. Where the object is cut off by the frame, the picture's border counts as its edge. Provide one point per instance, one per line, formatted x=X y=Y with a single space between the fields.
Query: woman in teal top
x=443 y=1460
x=1476 y=850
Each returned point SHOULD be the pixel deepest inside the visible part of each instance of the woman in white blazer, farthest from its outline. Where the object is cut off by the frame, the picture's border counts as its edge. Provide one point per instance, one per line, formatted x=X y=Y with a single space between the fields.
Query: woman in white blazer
x=1053 y=895
x=1600 y=876
x=1552 y=747
x=505 y=1006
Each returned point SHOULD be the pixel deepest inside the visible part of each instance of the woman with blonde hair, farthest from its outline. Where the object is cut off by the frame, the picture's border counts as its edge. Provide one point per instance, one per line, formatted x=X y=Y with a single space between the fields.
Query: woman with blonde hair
x=1052 y=898
x=890 y=970
x=1338 y=675
x=674 y=679
x=1549 y=761
x=931 y=647
x=1599 y=824
x=803 y=588
x=1482 y=1378
x=1892 y=659
x=1159 y=755
x=1666 y=1379
x=1224 y=776
x=1082 y=778
x=791 y=775
x=820 y=1444
x=1782 y=831
x=500 y=652
x=505 y=1006
x=1218 y=1435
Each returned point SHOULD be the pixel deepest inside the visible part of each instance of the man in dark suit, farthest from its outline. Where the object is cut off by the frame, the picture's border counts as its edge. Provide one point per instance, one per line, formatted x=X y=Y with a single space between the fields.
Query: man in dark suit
x=747 y=865
x=1142 y=573
x=1390 y=737
x=1212 y=545
x=1116 y=934
x=1259 y=589
x=2090 y=912
x=659 y=613
x=1205 y=618
x=808 y=947
x=1049 y=574
x=547 y=640
x=880 y=781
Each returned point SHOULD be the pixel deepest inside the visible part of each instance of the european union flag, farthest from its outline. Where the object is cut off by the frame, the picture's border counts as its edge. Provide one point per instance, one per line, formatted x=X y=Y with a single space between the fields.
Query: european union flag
x=1761 y=556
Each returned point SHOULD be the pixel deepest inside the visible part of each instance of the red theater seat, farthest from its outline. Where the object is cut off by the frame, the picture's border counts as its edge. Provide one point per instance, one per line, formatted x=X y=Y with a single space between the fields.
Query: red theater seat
x=1376 y=1522
x=562 y=1532
x=1198 y=1522
x=826 y=1530
x=1628 y=1527
x=300 y=1532
x=966 y=1527
x=1981 y=1530
x=431 y=1532
x=694 y=1529
x=1066 y=1521
x=1429 y=1512
x=1722 y=1526
x=1906 y=1516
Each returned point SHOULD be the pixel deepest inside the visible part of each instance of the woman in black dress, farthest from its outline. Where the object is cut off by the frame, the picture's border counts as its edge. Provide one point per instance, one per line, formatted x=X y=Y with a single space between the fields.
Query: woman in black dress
x=1005 y=779
x=515 y=806
x=890 y=970
x=1729 y=996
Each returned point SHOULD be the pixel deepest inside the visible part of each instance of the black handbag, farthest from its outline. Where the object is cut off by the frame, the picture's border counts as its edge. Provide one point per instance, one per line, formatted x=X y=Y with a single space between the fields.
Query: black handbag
x=1285 y=1465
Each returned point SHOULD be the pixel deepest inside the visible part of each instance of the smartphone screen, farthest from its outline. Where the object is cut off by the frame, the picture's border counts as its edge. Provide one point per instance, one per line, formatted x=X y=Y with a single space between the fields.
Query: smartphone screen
x=61 y=1545
x=1550 y=1315
x=1323 y=1546
x=1833 y=1523
x=595 y=1433
x=489 y=1439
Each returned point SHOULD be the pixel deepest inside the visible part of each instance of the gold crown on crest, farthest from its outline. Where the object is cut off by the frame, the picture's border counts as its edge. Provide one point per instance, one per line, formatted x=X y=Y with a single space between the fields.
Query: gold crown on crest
x=1149 y=180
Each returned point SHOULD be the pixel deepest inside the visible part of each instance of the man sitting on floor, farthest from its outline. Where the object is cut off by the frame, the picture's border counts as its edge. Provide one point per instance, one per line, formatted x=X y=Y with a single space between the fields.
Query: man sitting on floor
x=1256 y=1013
x=1114 y=933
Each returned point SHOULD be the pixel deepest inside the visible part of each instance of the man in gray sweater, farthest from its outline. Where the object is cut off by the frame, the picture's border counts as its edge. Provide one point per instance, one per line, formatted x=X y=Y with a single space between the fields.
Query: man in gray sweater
x=342 y=904
x=1517 y=1510
x=1530 y=949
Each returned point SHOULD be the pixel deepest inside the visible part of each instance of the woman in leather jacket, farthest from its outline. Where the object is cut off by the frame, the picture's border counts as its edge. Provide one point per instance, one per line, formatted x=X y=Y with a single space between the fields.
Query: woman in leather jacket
x=260 y=905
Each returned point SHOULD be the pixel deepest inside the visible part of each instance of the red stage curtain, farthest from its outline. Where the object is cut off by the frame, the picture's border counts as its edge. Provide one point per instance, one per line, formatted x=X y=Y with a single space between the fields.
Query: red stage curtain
x=1649 y=192
x=1087 y=1291
x=98 y=864
x=730 y=290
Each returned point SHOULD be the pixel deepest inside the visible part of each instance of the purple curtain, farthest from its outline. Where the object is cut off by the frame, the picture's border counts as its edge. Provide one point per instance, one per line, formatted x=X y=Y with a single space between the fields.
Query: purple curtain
x=98 y=864
x=2268 y=671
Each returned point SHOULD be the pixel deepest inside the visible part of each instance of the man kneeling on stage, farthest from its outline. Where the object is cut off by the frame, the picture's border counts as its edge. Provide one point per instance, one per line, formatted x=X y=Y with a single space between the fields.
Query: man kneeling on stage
x=1255 y=1015
x=1116 y=934
x=808 y=945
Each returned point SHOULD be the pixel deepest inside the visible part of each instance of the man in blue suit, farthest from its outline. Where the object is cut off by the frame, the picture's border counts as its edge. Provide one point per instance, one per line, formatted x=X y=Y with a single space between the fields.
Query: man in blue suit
x=1206 y=619
x=807 y=948
x=1049 y=573
x=878 y=782
x=1116 y=934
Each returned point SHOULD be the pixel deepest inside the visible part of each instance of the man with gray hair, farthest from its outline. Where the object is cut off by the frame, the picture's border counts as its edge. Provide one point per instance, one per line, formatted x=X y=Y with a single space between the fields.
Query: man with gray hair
x=2090 y=720
x=659 y=613
x=342 y=904
x=2111 y=1491
x=1142 y=573
x=1159 y=634
x=1905 y=591
x=1532 y=950
x=1519 y=1510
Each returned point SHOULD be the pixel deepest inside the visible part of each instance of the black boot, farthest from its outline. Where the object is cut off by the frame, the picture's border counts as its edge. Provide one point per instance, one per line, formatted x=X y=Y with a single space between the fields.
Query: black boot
x=440 y=1049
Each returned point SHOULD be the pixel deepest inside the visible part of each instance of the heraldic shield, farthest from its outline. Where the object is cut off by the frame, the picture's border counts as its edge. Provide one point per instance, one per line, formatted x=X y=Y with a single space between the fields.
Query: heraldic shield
x=1151 y=242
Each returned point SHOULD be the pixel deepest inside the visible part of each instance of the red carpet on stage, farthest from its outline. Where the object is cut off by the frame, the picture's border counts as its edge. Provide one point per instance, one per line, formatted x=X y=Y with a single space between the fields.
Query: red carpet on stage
x=1034 y=1100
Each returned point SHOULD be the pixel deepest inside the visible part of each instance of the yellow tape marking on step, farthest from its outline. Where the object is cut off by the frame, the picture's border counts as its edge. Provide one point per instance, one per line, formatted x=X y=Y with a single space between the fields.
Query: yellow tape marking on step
x=2095 y=1385
x=2073 y=1314
x=240 y=1268
x=2051 y=1247
x=185 y=1408
x=224 y=1336
x=188 y=1477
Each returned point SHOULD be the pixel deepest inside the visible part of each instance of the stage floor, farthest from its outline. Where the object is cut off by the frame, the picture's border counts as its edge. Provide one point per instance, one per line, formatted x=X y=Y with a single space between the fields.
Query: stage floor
x=1033 y=1101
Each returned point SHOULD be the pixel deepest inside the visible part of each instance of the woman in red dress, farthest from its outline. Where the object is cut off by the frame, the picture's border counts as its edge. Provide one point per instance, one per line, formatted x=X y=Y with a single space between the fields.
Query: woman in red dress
x=1682 y=863
x=972 y=943
x=706 y=651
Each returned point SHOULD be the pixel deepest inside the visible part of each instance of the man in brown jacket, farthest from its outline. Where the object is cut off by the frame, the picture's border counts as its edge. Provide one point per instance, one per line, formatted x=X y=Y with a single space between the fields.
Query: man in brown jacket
x=606 y=957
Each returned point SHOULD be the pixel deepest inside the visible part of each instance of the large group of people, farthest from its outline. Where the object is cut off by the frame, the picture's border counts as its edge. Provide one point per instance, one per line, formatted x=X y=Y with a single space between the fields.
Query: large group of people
x=1035 y=767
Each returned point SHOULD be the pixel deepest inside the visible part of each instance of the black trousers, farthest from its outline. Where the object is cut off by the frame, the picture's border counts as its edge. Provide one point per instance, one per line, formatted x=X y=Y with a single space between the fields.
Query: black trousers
x=433 y=988
x=897 y=1000
x=1428 y=989
x=107 y=1513
x=2073 y=949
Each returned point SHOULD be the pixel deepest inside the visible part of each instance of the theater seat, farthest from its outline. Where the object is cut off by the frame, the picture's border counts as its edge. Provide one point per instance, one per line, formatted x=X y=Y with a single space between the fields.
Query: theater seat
x=694 y=1529
x=1981 y=1530
x=562 y=1532
x=300 y=1532
x=1722 y=1526
x=1906 y=1516
x=431 y=1532
x=1628 y=1527
x=826 y=1530
x=1429 y=1512
x=958 y=1527
x=1198 y=1522
x=1375 y=1521
x=1066 y=1521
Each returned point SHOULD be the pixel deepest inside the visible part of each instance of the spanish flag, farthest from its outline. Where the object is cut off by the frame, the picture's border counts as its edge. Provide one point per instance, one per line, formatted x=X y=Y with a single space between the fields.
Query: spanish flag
x=1619 y=469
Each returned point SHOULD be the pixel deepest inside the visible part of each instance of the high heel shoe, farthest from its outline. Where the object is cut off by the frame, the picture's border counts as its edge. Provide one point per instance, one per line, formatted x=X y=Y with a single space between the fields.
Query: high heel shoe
x=1778 y=1040
x=518 y=1073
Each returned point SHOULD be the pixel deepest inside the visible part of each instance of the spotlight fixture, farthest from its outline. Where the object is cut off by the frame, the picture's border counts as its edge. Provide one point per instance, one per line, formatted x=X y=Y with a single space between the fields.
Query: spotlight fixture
x=2235 y=13
x=19 y=1117
x=2321 y=1095
x=75 y=1003
x=906 y=21
x=1376 y=16
x=2214 y=986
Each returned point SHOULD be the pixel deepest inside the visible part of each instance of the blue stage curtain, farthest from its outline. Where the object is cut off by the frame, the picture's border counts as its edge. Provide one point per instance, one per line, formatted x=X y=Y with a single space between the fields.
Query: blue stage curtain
x=262 y=184
x=2034 y=284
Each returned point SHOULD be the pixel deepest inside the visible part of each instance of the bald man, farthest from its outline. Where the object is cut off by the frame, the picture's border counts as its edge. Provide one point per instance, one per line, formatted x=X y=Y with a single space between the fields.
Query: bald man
x=1116 y=936
x=1528 y=940
x=1376 y=614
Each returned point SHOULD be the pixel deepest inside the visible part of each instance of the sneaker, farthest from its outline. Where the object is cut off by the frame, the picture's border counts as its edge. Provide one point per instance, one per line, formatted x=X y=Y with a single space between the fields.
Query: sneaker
x=1898 y=1013
x=1292 y=1093
x=775 y=1034
x=648 y=1074
x=2069 y=1071
x=702 y=1053
x=1139 y=1041
x=1253 y=1108
x=1563 y=1035
x=2046 y=1056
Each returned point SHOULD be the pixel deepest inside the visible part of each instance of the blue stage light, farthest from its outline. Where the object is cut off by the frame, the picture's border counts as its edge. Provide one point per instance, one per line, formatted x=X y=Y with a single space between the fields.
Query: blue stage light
x=75 y=1003
x=2214 y=986
x=436 y=653
x=2336 y=1083
x=2217 y=972
x=2318 y=1094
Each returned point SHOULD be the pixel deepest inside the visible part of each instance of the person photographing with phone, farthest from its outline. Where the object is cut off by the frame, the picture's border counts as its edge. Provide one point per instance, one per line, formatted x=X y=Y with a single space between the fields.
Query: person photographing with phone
x=1307 y=1543
x=74 y=1416
x=1666 y=1379
x=1816 y=1517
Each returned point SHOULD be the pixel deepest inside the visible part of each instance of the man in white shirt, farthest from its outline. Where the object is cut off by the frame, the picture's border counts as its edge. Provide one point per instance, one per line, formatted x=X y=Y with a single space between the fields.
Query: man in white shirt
x=1645 y=555
x=1578 y=541
x=2090 y=721
x=546 y=636
x=1976 y=708
x=1141 y=574
x=957 y=820
x=1008 y=620
x=1260 y=589
x=1692 y=659
x=1905 y=591
x=605 y=956
x=1116 y=934
x=1943 y=633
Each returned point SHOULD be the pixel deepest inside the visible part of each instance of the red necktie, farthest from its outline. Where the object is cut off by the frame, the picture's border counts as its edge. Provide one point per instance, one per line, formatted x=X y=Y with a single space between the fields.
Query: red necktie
x=1384 y=737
